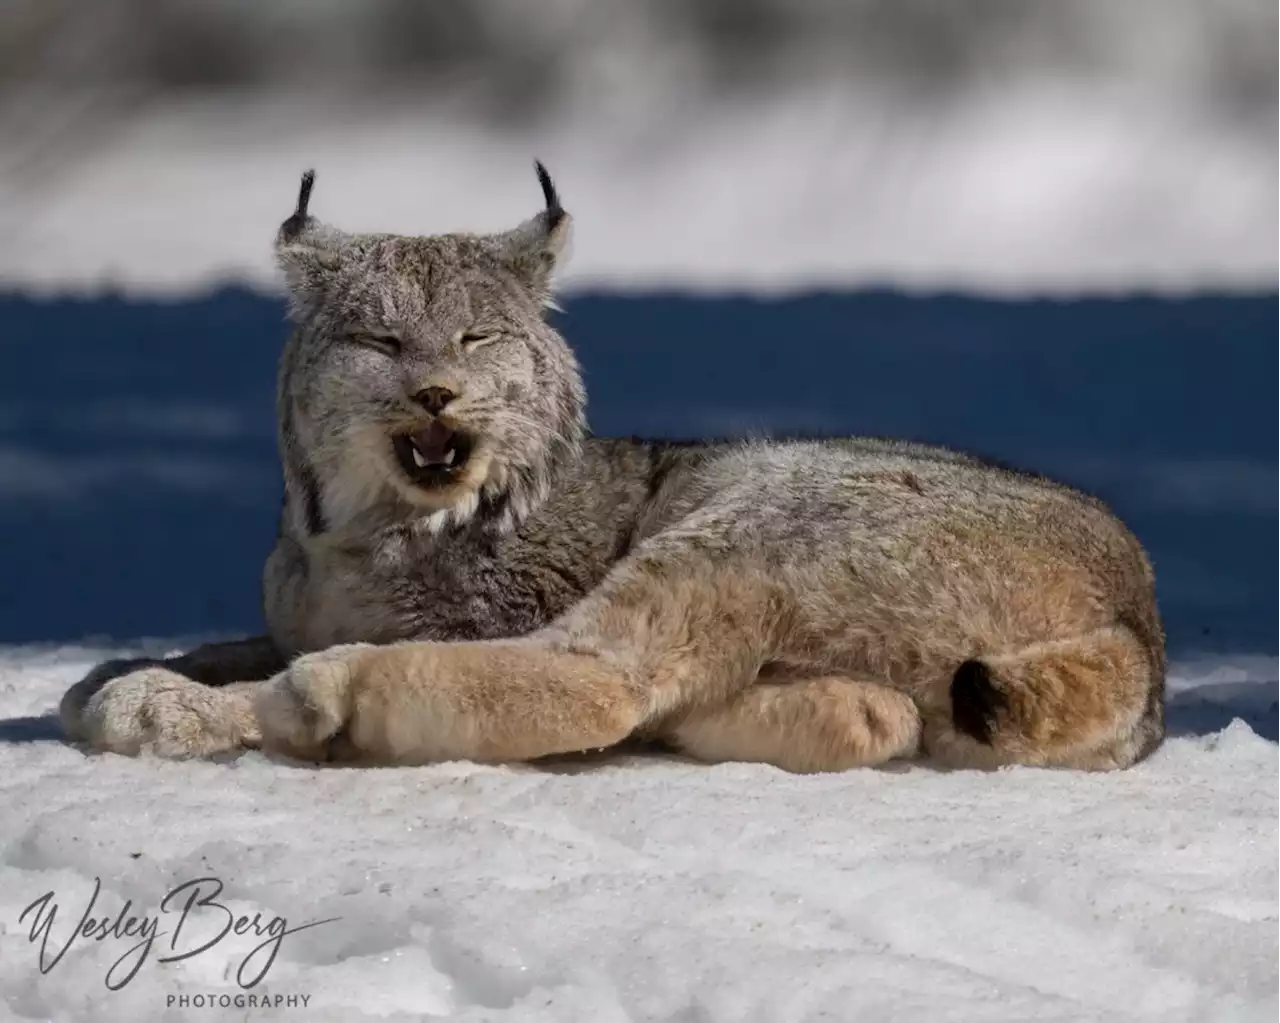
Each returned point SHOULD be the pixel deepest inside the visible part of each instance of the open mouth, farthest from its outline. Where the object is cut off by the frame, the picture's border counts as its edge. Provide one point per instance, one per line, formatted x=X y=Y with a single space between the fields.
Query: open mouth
x=432 y=456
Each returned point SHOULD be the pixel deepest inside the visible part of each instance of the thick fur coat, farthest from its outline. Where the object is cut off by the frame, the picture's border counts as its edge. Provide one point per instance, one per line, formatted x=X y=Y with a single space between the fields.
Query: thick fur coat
x=462 y=571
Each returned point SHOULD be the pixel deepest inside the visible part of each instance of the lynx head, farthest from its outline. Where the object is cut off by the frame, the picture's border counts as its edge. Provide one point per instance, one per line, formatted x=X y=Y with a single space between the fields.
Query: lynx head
x=423 y=378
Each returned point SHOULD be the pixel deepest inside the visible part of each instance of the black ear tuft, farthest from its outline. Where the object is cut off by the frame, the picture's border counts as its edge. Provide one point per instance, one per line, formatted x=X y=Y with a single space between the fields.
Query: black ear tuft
x=534 y=249
x=555 y=212
x=292 y=227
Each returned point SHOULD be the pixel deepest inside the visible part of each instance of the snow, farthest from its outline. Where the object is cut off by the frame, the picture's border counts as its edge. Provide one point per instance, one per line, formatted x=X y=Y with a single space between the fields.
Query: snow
x=1028 y=190
x=1103 y=149
x=639 y=887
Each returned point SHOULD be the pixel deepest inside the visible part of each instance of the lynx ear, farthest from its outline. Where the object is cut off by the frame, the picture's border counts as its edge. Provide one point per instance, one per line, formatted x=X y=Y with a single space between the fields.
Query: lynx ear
x=538 y=247
x=307 y=251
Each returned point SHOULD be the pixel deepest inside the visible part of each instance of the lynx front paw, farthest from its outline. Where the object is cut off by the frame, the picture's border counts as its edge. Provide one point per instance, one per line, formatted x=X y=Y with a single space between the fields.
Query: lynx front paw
x=158 y=711
x=304 y=712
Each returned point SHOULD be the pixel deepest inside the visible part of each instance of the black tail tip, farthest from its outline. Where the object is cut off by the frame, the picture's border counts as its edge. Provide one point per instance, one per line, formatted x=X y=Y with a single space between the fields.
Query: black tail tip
x=975 y=701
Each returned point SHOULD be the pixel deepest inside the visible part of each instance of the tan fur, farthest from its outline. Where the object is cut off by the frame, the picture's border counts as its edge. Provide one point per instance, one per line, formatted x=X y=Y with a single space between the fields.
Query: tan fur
x=548 y=702
x=1070 y=703
x=816 y=605
x=826 y=724
x=670 y=643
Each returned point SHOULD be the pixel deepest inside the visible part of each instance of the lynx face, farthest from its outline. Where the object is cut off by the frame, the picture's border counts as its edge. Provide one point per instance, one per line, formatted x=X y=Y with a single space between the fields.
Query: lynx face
x=424 y=369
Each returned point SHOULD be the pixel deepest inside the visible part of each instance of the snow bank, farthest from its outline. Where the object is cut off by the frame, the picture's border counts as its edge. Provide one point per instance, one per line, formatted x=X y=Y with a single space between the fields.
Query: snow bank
x=647 y=888
x=1036 y=191
x=1008 y=147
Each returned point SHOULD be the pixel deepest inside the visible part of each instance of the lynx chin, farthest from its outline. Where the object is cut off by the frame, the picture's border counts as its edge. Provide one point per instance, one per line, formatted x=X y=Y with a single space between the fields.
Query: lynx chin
x=464 y=572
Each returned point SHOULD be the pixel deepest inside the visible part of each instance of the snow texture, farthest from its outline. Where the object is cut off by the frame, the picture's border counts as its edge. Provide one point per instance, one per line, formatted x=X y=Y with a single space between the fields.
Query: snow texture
x=638 y=887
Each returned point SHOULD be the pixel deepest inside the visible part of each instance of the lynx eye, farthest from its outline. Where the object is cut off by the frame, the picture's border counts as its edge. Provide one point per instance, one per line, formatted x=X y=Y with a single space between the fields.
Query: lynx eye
x=387 y=344
x=476 y=338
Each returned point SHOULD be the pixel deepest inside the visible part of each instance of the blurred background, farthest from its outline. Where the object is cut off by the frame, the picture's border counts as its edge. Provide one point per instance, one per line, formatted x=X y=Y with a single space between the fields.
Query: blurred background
x=1002 y=145
x=1045 y=230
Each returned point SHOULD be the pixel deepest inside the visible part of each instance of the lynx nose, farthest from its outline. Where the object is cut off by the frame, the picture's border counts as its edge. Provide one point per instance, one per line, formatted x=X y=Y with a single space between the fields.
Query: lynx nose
x=434 y=399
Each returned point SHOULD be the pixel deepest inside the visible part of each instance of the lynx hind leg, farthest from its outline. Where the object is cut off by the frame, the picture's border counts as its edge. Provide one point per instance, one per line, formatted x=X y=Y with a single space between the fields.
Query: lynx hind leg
x=1094 y=702
x=810 y=726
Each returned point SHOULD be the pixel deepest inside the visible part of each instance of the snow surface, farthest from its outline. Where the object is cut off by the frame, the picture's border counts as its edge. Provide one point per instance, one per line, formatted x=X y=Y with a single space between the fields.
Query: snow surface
x=647 y=888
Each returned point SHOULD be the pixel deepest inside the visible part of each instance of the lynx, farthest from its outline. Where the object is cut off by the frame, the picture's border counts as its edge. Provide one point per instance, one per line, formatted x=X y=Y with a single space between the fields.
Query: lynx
x=464 y=572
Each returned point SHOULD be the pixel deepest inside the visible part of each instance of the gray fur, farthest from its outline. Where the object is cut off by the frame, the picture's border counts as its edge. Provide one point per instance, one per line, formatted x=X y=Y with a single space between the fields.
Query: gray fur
x=835 y=575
